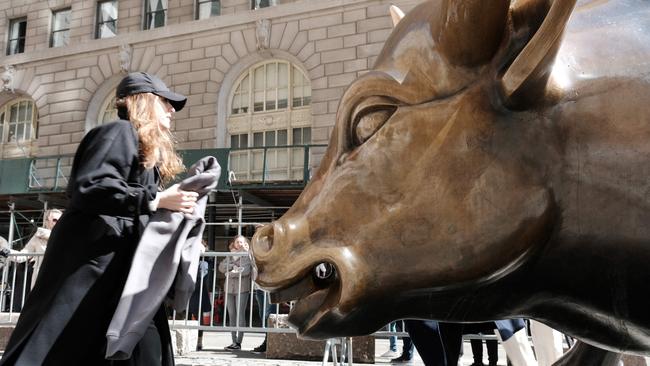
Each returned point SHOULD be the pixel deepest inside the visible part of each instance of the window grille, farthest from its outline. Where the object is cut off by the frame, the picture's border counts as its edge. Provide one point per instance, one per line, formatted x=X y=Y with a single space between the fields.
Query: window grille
x=258 y=4
x=17 y=119
x=207 y=8
x=60 y=28
x=155 y=13
x=16 y=40
x=109 y=111
x=106 y=26
x=268 y=87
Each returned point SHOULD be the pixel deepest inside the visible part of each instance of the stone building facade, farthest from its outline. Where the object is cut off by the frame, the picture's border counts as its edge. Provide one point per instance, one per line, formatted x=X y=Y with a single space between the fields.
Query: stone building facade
x=71 y=82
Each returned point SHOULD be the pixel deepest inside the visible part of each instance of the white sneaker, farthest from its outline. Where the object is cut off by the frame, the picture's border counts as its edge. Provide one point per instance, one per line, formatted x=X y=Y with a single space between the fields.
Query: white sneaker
x=390 y=354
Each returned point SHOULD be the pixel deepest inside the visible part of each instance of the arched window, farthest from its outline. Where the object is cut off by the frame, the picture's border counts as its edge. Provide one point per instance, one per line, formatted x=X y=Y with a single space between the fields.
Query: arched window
x=108 y=112
x=18 y=119
x=269 y=122
x=269 y=83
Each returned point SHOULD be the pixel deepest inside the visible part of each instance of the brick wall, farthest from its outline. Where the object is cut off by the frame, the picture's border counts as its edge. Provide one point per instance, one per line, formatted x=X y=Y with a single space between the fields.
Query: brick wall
x=334 y=42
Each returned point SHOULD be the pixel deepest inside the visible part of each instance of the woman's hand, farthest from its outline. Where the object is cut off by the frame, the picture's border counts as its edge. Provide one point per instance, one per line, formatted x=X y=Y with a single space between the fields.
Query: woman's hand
x=175 y=199
x=236 y=269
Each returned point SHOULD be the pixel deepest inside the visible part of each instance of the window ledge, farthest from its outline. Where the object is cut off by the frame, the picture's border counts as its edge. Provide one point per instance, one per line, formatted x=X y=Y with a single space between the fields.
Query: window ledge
x=12 y=150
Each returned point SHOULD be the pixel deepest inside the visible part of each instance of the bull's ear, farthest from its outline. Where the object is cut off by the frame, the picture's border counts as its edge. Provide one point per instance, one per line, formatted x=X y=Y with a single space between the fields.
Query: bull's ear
x=524 y=80
x=396 y=14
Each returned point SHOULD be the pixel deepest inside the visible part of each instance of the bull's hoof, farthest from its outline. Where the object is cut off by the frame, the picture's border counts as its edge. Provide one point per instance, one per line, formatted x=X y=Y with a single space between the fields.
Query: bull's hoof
x=584 y=354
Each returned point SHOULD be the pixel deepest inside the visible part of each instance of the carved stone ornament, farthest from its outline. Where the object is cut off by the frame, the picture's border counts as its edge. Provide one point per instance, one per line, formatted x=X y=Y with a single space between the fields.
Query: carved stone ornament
x=125 y=58
x=7 y=78
x=263 y=33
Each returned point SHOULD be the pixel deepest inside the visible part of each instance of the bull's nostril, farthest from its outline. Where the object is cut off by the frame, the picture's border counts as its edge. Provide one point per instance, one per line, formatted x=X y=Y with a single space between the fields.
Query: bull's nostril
x=263 y=239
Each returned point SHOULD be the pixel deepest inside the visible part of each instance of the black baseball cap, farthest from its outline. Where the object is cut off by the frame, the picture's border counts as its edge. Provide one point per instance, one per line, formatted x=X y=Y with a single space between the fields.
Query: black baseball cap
x=141 y=82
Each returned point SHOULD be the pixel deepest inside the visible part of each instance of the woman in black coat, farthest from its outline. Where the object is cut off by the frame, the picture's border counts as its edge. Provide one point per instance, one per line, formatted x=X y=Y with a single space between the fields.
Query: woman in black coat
x=113 y=189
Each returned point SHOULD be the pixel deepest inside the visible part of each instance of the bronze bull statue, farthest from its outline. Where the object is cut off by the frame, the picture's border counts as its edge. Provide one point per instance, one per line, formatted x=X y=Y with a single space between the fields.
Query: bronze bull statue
x=494 y=163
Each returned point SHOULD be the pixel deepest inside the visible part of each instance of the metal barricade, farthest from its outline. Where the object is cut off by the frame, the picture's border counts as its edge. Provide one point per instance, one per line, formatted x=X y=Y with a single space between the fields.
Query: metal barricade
x=207 y=310
x=17 y=279
x=253 y=302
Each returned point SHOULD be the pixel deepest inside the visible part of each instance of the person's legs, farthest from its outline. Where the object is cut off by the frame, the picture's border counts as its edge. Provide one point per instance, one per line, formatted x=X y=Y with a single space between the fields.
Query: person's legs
x=261 y=306
x=392 y=340
x=265 y=309
x=477 y=351
x=477 y=344
x=428 y=339
x=231 y=308
x=407 y=348
x=407 y=345
x=270 y=308
x=241 y=316
x=492 y=351
x=451 y=335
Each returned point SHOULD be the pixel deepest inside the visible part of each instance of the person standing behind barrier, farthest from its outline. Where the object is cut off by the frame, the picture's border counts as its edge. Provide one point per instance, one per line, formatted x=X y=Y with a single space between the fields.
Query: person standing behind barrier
x=265 y=308
x=113 y=190
x=238 y=287
x=5 y=250
x=392 y=341
x=38 y=243
x=492 y=345
x=201 y=297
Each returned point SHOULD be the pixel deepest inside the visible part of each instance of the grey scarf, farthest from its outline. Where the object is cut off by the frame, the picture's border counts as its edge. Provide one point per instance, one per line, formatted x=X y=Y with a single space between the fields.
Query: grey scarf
x=167 y=254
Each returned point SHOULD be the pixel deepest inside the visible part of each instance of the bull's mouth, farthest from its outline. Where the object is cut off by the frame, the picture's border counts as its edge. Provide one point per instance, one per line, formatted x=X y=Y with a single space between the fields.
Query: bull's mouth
x=314 y=294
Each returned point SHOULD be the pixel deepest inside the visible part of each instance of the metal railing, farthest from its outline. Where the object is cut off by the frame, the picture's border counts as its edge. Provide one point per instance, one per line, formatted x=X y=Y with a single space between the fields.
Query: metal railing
x=207 y=310
x=251 y=167
x=49 y=173
x=15 y=284
x=270 y=165
x=217 y=317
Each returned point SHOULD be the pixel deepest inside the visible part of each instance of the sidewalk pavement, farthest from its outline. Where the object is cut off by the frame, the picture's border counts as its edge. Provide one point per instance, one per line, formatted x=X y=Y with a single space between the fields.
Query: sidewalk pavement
x=213 y=354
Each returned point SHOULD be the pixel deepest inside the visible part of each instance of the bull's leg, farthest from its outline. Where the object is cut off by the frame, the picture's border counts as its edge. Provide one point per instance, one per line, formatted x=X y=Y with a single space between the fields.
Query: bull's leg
x=584 y=354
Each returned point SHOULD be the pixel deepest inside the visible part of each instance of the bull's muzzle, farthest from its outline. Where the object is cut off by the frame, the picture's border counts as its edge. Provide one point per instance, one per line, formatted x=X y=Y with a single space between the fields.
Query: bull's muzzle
x=288 y=277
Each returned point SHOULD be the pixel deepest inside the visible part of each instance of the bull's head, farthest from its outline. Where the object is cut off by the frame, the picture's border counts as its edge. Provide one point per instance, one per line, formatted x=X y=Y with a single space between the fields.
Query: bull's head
x=421 y=192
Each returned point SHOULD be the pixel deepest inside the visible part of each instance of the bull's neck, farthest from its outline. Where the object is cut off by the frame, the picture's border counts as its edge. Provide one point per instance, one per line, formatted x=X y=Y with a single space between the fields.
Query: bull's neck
x=600 y=175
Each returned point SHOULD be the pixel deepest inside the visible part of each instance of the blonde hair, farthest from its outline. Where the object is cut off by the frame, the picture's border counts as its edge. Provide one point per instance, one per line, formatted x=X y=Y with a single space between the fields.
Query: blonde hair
x=156 y=145
x=246 y=245
x=48 y=217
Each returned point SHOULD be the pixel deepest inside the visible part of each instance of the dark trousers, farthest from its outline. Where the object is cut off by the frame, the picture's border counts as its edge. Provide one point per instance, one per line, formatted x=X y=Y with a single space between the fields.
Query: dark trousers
x=492 y=351
x=439 y=344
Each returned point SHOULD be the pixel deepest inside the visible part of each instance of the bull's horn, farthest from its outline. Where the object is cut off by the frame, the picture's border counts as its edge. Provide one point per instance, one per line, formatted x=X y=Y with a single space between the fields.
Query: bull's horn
x=473 y=30
x=533 y=64
x=396 y=14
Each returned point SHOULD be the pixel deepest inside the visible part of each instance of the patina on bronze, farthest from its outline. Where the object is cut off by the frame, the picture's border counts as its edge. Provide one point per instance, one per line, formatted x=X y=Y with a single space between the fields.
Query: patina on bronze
x=494 y=163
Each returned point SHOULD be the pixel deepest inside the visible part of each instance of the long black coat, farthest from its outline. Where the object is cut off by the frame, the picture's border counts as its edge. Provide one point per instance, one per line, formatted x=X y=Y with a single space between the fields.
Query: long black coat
x=65 y=318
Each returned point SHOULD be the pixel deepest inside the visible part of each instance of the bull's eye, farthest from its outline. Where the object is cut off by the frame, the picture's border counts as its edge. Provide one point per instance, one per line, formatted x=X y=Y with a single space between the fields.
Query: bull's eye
x=323 y=275
x=323 y=271
x=369 y=116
